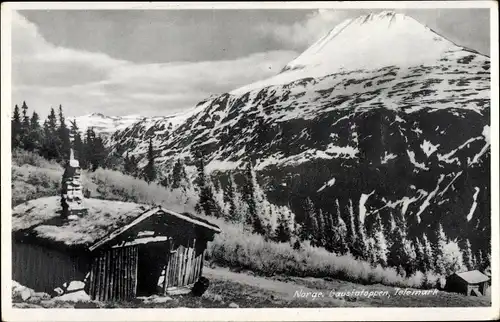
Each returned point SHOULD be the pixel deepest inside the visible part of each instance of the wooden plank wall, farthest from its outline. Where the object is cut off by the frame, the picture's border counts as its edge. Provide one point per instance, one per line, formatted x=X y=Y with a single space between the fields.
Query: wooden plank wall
x=113 y=274
x=184 y=265
x=44 y=269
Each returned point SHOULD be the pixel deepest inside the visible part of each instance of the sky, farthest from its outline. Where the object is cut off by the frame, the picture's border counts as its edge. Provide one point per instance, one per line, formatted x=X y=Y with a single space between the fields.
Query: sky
x=163 y=62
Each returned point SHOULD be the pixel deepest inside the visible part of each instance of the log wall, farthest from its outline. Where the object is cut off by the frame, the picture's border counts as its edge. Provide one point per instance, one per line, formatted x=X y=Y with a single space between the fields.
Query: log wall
x=113 y=274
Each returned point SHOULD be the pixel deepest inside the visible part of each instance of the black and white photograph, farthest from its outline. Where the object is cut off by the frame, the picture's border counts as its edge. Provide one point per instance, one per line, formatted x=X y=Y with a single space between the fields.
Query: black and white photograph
x=249 y=156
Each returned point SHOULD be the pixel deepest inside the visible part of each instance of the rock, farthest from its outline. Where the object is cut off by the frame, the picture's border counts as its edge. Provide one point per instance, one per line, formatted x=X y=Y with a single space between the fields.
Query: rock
x=26 y=294
x=154 y=299
x=21 y=292
x=233 y=305
x=75 y=286
x=57 y=292
x=78 y=296
x=161 y=299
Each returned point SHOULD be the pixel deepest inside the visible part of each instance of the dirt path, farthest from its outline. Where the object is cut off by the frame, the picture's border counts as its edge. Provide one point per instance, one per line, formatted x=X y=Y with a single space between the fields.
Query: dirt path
x=287 y=291
x=316 y=291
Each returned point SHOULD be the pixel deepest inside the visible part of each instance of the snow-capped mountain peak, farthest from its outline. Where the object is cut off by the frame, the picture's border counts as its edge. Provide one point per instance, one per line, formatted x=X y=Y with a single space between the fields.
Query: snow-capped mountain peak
x=104 y=125
x=389 y=38
x=367 y=42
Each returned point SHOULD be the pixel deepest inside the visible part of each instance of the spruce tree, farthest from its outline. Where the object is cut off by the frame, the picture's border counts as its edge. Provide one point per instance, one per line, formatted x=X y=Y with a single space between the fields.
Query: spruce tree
x=150 y=170
x=16 y=129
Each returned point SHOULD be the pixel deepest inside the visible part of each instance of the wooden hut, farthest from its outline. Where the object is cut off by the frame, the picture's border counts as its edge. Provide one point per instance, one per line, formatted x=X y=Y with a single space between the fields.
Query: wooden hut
x=468 y=283
x=119 y=249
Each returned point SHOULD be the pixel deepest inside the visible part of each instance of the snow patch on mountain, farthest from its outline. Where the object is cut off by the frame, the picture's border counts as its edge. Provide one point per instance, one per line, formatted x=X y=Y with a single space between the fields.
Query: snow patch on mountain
x=330 y=183
x=474 y=204
x=362 y=209
x=429 y=148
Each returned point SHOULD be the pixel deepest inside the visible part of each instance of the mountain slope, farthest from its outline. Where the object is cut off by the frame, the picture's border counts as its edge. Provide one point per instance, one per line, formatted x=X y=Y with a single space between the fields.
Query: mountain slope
x=380 y=116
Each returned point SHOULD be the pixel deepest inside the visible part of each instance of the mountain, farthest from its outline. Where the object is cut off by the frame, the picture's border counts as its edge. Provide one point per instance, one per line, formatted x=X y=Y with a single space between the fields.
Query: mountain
x=381 y=116
x=105 y=125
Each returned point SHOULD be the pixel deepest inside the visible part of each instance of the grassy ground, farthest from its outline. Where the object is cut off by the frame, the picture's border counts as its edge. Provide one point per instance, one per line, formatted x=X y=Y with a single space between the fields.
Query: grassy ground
x=244 y=290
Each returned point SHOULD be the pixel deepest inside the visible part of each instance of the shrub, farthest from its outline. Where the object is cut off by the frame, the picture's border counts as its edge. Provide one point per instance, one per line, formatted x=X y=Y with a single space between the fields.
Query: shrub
x=21 y=157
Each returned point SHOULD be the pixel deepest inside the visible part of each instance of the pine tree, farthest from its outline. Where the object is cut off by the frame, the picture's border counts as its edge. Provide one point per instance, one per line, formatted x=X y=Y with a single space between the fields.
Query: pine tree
x=35 y=135
x=397 y=252
x=229 y=196
x=468 y=258
x=252 y=218
x=150 y=170
x=429 y=253
x=77 y=140
x=133 y=166
x=337 y=232
x=360 y=248
x=16 y=129
x=421 y=260
x=315 y=234
x=351 y=232
x=282 y=232
x=126 y=164
x=307 y=230
x=63 y=134
x=50 y=146
x=380 y=243
x=25 y=128
x=206 y=203
x=321 y=236
x=439 y=248
x=177 y=174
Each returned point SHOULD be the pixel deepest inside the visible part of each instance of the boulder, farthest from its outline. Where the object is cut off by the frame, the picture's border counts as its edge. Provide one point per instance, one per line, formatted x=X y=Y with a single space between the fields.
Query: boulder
x=233 y=305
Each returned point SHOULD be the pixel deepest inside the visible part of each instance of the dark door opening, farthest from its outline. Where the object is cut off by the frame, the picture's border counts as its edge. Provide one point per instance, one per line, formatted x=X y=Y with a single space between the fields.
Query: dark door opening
x=152 y=259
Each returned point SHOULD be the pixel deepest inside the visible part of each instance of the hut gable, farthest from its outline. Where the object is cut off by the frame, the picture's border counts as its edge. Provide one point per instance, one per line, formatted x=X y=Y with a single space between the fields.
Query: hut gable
x=473 y=277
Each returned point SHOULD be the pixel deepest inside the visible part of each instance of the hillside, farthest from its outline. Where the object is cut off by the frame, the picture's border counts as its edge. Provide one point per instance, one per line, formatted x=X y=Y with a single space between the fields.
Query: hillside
x=381 y=118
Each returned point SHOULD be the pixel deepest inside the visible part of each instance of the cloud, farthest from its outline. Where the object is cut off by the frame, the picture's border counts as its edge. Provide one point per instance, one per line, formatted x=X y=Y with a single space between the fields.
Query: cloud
x=46 y=75
x=303 y=33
